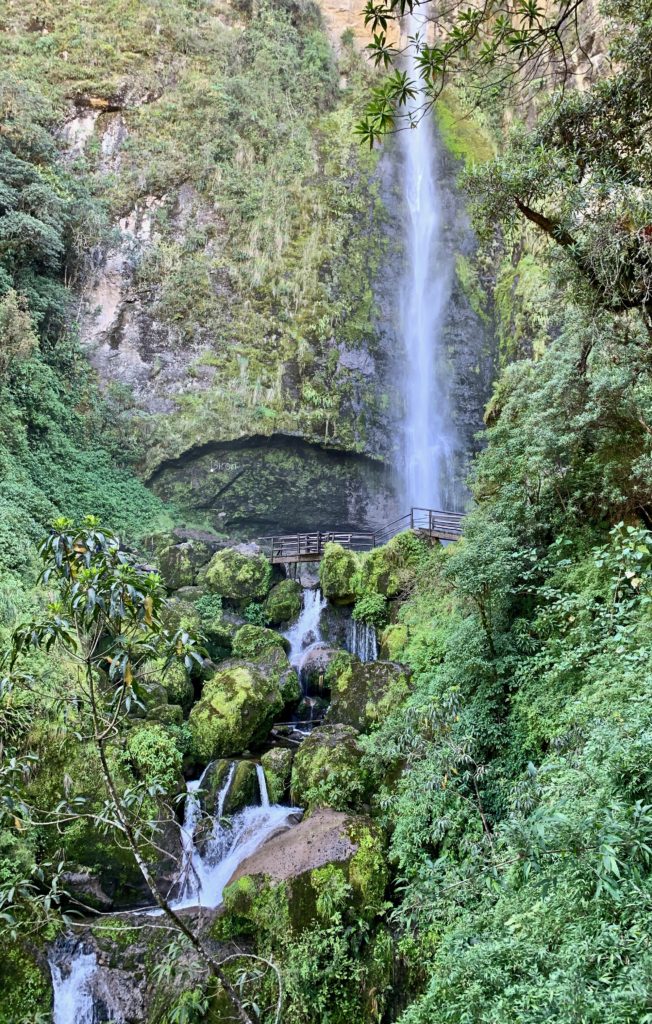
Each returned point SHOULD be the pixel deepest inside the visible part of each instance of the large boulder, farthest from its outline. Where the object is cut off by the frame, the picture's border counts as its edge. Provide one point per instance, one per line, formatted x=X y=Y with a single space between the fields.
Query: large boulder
x=283 y=603
x=303 y=871
x=314 y=668
x=327 y=772
x=179 y=563
x=254 y=641
x=364 y=693
x=277 y=765
x=240 y=575
x=240 y=702
x=337 y=573
x=243 y=791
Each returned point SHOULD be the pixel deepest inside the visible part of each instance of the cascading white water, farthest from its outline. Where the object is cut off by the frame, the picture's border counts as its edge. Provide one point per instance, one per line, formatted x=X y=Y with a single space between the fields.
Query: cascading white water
x=305 y=634
x=73 y=998
x=191 y=876
x=428 y=456
x=361 y=640
x=229 y=843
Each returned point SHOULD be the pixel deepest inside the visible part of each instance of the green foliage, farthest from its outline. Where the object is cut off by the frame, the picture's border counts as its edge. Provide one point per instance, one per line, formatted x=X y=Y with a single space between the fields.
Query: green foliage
x=371 y=609
x=154 y=757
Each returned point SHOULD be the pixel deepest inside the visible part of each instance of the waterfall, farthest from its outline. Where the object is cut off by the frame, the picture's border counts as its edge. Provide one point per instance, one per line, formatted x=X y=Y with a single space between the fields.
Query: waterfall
x=191 y=876
x=72 y=971
x=262 y=786
x=427 y=458
x=361 y=640
x=305 y=634
x=229 y=843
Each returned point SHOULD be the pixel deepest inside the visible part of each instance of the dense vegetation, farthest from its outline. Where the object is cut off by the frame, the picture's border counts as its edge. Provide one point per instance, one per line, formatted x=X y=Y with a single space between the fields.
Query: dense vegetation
x=501 y=793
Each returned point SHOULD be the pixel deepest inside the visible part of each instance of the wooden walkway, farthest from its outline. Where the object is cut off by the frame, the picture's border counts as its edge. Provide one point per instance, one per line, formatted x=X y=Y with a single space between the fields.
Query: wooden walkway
x=429 y=523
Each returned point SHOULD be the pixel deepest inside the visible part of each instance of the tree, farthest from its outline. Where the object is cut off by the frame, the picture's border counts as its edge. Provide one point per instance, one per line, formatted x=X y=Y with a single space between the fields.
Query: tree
x=495 y=47
x=106 y=617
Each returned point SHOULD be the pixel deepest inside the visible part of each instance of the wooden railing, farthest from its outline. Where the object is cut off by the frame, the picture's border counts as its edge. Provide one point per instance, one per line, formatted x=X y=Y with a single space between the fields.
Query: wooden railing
x=309 y=547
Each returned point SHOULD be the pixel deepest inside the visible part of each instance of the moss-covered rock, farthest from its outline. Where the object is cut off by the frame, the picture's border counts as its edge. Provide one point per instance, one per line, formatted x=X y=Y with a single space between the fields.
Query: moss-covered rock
x=363 y=694
x=277 y=765
x=167 y=714
x=283 y=603
x=239 y=576
x=331 y=864
x=176 y=681
x=254 y=641
x=327 y=772
x=212 y=783
x=243 y=791
x=337 y=573
x=274 y=663
x=236 y=709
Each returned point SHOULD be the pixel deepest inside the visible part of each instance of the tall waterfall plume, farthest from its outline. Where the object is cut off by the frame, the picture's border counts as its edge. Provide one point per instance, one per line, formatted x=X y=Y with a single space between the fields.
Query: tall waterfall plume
x=427 y=459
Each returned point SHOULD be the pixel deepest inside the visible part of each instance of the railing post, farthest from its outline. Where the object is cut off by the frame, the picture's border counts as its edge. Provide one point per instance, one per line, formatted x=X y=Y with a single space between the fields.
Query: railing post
x=412 y=518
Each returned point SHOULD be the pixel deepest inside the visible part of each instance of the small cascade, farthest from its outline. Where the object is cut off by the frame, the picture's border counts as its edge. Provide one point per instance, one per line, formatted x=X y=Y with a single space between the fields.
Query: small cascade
x=72 y=971
x=362 y=640
x=192 y=866
x=262 y=786
x=230 y=842
x=305 y=634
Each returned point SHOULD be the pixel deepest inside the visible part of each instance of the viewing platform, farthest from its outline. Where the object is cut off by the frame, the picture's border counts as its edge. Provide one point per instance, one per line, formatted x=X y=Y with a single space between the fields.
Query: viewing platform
x=431 y=524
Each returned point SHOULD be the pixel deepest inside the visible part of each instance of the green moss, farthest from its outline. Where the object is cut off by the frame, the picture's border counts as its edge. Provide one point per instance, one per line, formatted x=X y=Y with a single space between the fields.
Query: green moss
x=327 y=772
x=254 y=641
x=154 y=756
x=277 y=765
x=236 y=709
x=283 y=603
x=467 y=275
x=364 y=694
x=522 y=298
x=460 y=132
x=393 y=640
x=243 y=791
x=337 y=571
x=238 y=577
x=368 y=871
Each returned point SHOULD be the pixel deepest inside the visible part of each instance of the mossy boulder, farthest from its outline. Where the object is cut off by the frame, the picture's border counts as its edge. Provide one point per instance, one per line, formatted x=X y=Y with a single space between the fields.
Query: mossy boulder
x=337 y=573
x=239 y=576
x=213 y=781
x=181 y=614
x=153 y=756
x=243 y=791
x=283 y=603
x=167 y=714
x=254 y=641
x=327 y=770
x=277 y=765
x=236 y=709
x=330 y=863
x=274 y=662
x=179 y=563
x=364 y=693
x=176 y=682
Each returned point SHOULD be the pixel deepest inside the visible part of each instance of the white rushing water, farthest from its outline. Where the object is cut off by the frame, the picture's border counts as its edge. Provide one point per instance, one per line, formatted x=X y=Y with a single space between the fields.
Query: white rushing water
x=305 y=634
x=72 y=971
x=206 y=870
x=427 y=458
x=361 y=640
